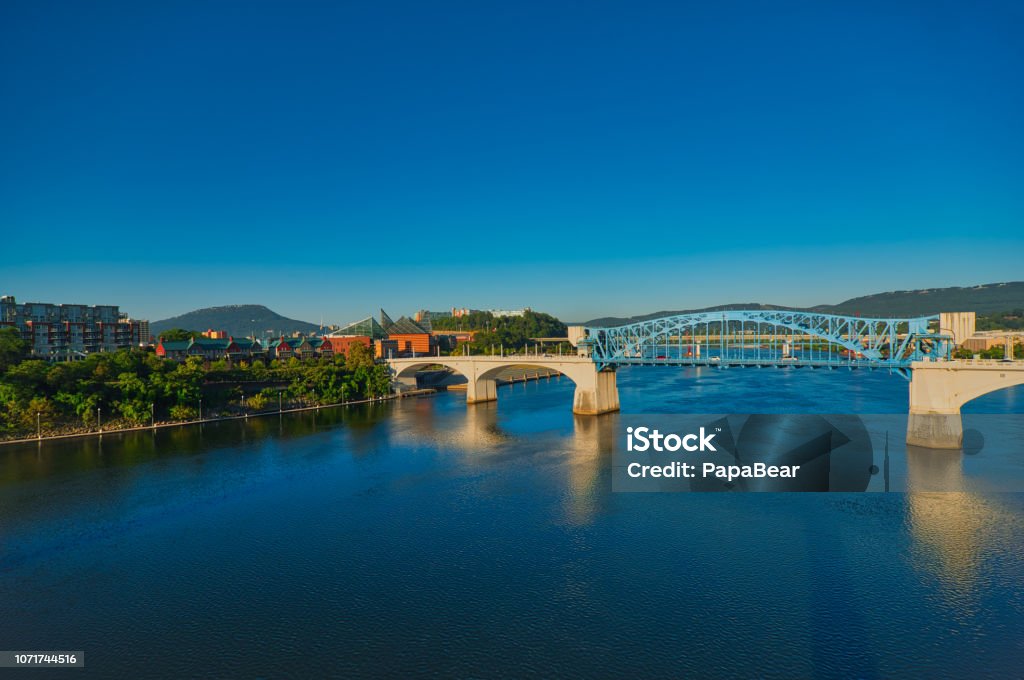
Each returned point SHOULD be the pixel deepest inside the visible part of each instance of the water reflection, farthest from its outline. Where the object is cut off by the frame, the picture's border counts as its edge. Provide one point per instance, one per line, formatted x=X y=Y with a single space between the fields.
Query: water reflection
x=953 y=528
x=590 y=450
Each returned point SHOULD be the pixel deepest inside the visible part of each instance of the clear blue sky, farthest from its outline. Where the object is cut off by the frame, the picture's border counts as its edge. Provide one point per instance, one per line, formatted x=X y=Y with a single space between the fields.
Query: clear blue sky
x=583 y=158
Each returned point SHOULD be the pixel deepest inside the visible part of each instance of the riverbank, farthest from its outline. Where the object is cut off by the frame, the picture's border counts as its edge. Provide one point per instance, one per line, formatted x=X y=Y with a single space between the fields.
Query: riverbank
x=200 y=421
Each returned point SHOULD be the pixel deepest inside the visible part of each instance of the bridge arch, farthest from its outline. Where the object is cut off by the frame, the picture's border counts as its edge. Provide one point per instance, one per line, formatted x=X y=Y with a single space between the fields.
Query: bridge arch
x=944 y=387
x=938 y=390
x=596 y=391
x=889 y=342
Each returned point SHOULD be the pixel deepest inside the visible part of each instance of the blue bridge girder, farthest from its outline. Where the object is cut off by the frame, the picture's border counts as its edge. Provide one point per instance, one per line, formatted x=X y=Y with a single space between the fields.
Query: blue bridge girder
x=737 y=338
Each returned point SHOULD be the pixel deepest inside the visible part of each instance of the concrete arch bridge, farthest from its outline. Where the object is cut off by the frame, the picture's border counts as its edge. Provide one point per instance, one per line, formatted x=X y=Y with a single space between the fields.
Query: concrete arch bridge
x=596 y=390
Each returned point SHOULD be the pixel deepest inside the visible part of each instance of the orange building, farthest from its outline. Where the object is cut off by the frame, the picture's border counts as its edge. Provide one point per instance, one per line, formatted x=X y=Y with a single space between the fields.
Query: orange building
x=341 y=343
x=412 y=339
x=385 y=349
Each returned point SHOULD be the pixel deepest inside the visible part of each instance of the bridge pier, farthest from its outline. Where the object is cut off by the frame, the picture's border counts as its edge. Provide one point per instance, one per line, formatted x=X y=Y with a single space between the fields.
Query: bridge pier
x=481 y=390
x=597 y=392
x=935 y=430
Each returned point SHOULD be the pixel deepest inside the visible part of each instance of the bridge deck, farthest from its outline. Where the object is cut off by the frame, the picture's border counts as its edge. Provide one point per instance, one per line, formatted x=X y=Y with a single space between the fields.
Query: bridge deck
x=746 y=362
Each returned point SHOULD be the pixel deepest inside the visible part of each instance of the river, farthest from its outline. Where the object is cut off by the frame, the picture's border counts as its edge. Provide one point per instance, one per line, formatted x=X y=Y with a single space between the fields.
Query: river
x=421 y=537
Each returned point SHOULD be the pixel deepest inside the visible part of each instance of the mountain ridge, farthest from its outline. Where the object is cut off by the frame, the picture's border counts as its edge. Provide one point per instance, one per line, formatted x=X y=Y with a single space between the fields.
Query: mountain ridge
x=237 y=320
x=983 y=299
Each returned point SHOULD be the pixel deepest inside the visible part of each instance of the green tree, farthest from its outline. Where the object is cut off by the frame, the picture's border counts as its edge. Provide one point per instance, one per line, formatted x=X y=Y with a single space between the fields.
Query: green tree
x=12 y=347
x=8 y=408
x=258 y=401
x=181 y=412
x=179 y=334
x=81 y=404
x=358 y=355
x=41 y=408
x=136 y=398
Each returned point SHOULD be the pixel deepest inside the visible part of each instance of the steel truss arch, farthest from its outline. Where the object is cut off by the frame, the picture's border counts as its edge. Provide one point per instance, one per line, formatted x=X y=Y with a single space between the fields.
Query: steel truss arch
x=881 y=342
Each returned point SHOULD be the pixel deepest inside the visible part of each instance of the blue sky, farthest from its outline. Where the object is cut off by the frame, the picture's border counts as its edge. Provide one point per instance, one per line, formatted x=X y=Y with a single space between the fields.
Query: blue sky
x=584 y=158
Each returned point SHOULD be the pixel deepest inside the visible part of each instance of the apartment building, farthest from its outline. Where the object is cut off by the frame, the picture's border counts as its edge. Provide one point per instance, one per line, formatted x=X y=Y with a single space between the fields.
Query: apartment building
x=67 y=331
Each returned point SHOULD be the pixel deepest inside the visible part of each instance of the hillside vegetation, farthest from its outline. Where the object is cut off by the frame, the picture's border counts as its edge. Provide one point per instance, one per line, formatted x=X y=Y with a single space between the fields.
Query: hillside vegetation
x=237 y=320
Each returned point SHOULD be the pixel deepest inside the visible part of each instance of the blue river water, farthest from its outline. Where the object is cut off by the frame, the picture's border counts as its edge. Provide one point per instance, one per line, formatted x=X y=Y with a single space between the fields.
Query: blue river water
x=424 y=538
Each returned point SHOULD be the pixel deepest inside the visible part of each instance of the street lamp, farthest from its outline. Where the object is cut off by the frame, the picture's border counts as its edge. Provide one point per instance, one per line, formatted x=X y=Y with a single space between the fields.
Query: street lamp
x=200 y=408
x=99 y=425
x=152 y=415
x=39 y=427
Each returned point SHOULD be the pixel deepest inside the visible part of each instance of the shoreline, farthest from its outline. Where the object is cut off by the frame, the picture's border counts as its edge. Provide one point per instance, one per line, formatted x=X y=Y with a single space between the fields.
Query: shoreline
x=220 y=419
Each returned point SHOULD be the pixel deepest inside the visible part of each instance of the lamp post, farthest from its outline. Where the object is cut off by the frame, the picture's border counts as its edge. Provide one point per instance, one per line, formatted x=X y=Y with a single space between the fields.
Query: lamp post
x=152 y=415
x=99 y=424
x=200 y=408
x=280 y=407
x=39 y=427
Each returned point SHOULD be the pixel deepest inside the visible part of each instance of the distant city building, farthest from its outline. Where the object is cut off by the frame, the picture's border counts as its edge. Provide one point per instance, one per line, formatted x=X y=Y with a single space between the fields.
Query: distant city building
x=457 y=312
x=210 y=349
x=985 y=340
x=145 y=339
x=427 y=315
x=454 y=336
x=510 y=312
x=69 y=331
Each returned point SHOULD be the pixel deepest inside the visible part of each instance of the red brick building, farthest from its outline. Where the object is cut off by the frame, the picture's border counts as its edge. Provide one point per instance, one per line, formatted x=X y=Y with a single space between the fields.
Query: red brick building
x=341 y=343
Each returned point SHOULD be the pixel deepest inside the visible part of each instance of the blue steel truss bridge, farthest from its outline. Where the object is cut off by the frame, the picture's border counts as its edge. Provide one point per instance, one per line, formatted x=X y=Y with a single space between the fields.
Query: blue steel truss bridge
x=770 y=338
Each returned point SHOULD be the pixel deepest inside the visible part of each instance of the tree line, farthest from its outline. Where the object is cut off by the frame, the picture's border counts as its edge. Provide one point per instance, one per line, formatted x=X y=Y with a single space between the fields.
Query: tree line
x=136 y=387
x=511 y=332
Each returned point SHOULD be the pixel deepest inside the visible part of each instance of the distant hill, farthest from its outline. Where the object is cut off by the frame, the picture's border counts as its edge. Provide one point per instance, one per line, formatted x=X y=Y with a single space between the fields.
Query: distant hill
x=238 y=320
x=983 y=299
